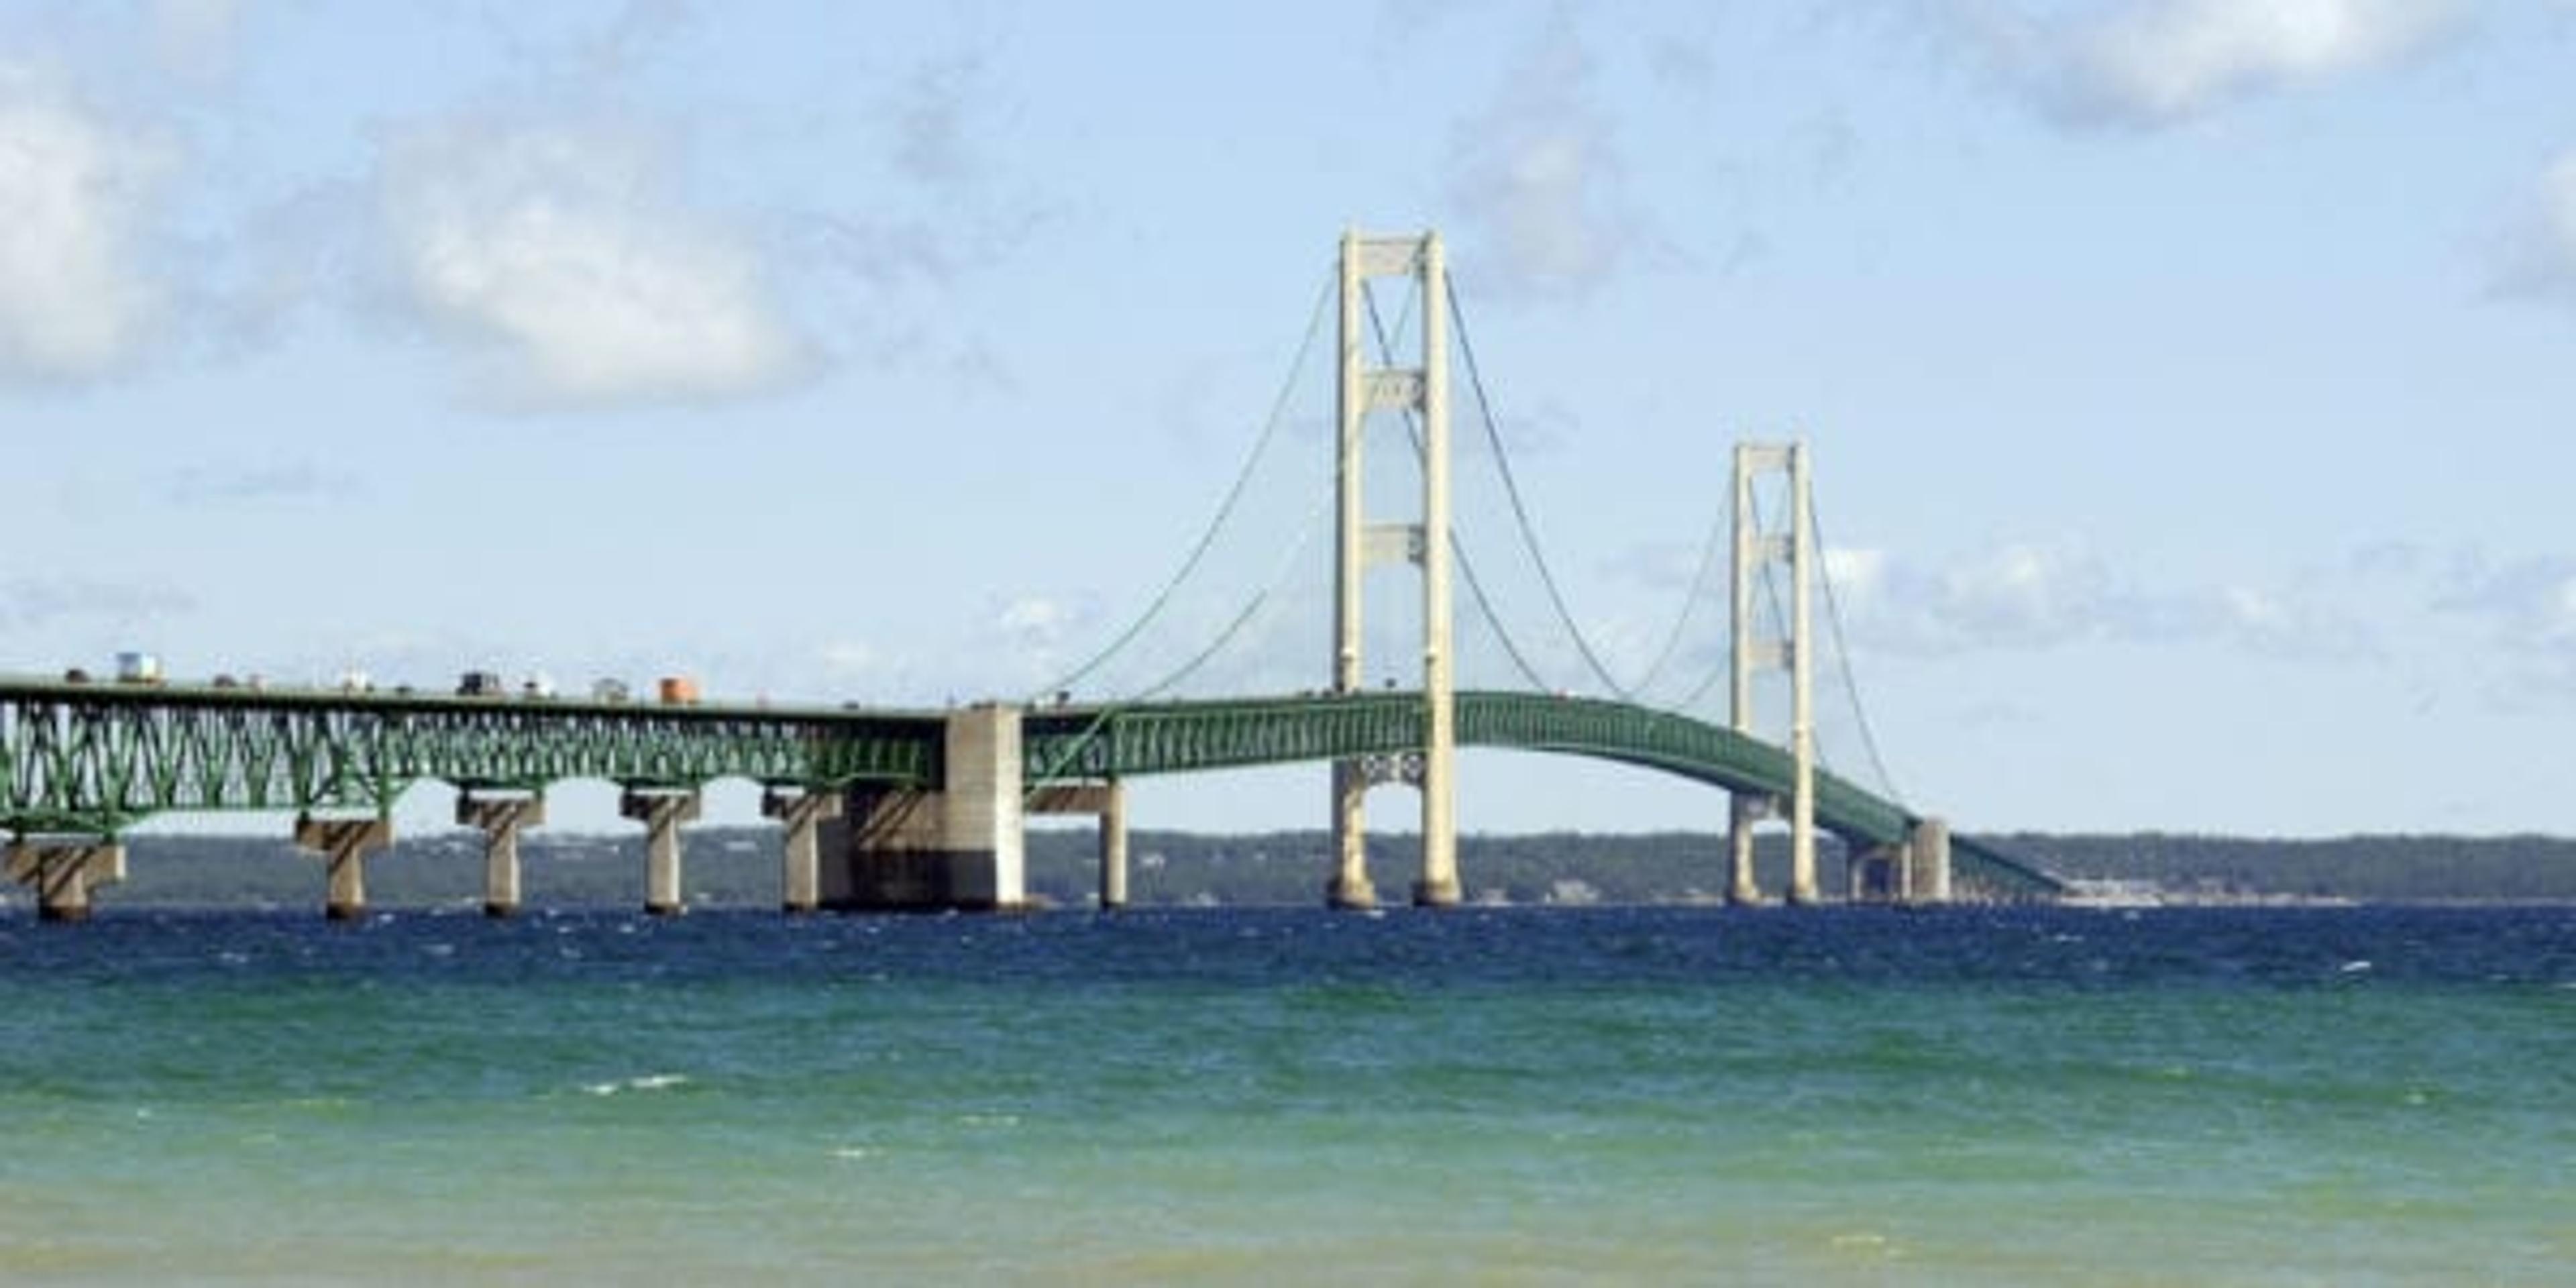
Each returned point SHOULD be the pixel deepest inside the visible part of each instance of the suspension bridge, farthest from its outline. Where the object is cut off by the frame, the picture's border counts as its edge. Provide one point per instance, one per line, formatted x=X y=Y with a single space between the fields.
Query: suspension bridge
x=891 y=807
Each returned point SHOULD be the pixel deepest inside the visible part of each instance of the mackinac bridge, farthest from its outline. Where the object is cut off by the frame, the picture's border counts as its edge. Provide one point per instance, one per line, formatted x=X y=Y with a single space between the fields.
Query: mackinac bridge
x=925 y=807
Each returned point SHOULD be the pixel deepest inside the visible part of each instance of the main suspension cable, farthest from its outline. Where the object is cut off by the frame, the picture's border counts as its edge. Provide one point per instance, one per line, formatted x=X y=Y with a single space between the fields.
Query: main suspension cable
x=1225 y=510
x=1842 y=654
x=1520 y=509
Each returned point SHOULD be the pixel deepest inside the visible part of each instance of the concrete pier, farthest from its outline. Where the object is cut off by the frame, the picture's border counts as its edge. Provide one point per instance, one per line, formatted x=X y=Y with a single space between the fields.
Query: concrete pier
x=661 y=812
x=1915 y=870
x=1113 y=848
x=1925 y=863
x=803 y=814
x=1107 y=802
x=959 y=847
x=1350 y=888
x=64 y=871
x=1438 y=886
x=344 y=844
x=500 y=817
x=1742 y=812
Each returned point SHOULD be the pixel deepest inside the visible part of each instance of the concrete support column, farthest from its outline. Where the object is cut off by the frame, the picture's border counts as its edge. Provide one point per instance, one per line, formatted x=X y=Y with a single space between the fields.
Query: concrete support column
x=803 y=813
x=500 y=818
x=983 y=806
x=1927 y=862
x=63 y=872
x=1350 y=887
x=661 y=813
x=1113 y=847
x=344 y=844
x=1741 y=813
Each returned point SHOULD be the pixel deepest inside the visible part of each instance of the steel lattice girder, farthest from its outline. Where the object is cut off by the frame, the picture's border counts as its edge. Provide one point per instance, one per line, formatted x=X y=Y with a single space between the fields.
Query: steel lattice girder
x=97 y=758
x=1064 y=744
x=1179 y=737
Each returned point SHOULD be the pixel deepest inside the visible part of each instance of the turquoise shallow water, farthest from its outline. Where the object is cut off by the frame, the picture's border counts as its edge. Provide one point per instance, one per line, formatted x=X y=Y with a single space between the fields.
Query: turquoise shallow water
x=1828 y=1096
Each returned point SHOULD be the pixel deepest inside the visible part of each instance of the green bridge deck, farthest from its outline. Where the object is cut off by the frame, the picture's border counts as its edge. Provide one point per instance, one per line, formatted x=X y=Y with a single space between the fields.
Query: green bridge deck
x=96 y=758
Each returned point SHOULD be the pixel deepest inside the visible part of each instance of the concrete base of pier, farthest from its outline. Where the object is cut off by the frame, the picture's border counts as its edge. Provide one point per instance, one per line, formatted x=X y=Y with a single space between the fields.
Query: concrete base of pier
x=500 y=817
x=1443 y=893
x=344 y=844
x=661 y=813
x=1348 y=892
x=64 y=872
x=960 y=847
x=800 y=870
x=1926 y=858
x=1916 y=870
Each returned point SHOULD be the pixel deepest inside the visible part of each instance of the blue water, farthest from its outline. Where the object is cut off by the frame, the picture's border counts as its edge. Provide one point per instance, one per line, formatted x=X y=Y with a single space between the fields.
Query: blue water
x=1526 y=1096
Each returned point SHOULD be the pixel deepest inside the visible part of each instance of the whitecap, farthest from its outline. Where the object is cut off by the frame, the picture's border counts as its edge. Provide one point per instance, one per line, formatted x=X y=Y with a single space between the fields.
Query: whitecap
x=646 y=1082
x=2353 y=967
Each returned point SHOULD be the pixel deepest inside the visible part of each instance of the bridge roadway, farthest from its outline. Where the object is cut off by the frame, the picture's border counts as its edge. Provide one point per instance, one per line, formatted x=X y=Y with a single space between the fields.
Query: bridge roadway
x=92 y=759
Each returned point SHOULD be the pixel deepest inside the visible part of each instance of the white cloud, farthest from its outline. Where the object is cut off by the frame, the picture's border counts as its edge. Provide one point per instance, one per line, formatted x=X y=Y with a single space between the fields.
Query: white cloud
x=2153 y=62
x=2541 y=257
x=75 y=197
x=2036 y=594
x=1858 y=576
x=566 y=256
x=1537 y=177
x=1035 y=621
x=2057 y=594
x=2522 y=617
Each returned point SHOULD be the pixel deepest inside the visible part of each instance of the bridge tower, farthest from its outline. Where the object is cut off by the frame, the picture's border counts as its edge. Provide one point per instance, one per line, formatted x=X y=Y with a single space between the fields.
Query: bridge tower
x=1359 y=544
x=1755 y=547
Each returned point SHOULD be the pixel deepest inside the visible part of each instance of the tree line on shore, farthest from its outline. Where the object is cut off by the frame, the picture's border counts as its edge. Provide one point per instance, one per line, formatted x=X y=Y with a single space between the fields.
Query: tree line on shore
x=739 y=867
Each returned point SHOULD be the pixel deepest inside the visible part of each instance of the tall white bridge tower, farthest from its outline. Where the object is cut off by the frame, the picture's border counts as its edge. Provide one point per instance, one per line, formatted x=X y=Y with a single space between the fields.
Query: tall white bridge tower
x=1358 y=545
x=1758 y=545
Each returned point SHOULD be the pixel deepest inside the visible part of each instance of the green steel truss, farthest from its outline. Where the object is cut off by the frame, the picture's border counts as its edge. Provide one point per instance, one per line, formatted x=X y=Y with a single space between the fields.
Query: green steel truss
x=1073 y=743
x=96 y=758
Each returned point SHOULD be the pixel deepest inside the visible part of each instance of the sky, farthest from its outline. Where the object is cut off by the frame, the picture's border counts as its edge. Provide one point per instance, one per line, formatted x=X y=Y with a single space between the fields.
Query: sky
x=2192 y=383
